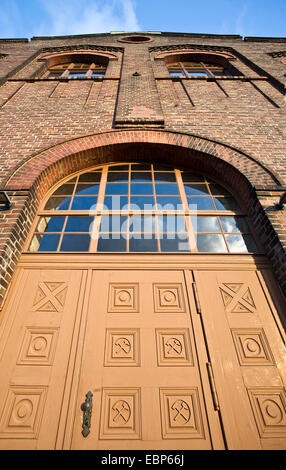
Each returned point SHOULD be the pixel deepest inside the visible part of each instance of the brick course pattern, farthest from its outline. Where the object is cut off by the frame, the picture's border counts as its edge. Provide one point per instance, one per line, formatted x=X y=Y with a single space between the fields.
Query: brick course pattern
x=232 y=128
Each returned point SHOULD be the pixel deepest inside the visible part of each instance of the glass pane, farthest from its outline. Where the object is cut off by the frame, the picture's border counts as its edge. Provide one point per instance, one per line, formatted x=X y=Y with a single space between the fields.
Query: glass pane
x=118 y=177
x=65 y=189
x=241 y=243
x=196 y=189
x=119 y=168
x=111 y=244
x=162 y=167
x=177 y=243
x=76 y=74
x=85 y=189
x=141 y=176
x=57 y=203
x=163 y=188
x=75 y=242
x=169 y=203
x=171 y=223
x=79 y=224
x=165 y=177
x=50 y=224
x=142 y=223
x=144 y=188
x=116 y=188
x=211 y=243
x=226 y=204
x=143 y=244
x=141 y=166
x=91 y=177
x=48 y=242
x=115 y=203
x=113 y=223
x=234 y=224
x=197 y=74
x=206 y=224
x=200 y=203
x=190 y=177
x=84 y=203
x=142 y=202
x=218 y=190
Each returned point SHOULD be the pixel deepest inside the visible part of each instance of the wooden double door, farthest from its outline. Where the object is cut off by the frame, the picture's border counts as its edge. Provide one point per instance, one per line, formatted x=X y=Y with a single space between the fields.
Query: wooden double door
x=141 y=359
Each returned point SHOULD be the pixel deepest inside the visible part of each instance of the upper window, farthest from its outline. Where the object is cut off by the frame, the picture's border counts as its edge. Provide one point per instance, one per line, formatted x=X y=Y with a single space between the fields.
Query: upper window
x=200 y=65
x=197 y=69
x=76 y=66
x=141 y=208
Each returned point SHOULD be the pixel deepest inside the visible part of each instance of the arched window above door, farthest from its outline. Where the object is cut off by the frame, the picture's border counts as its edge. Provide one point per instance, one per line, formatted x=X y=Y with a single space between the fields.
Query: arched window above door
x=136 y=207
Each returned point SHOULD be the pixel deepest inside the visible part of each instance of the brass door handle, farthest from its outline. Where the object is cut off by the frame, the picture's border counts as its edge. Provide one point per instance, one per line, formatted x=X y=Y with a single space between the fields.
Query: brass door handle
x=86 y=408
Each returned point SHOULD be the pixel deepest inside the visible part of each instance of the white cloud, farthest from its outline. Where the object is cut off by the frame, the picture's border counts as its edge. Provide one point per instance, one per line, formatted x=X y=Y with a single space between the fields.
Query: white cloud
x=66 y=17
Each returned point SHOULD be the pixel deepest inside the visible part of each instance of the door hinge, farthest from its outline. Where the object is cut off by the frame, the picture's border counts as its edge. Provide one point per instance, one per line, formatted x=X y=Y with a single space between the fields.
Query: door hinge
x=196 y=296
x=213 y=387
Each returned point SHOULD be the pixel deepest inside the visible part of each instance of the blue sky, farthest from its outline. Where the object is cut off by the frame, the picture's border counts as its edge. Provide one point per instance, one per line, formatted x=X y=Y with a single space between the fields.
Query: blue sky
x=28 y=18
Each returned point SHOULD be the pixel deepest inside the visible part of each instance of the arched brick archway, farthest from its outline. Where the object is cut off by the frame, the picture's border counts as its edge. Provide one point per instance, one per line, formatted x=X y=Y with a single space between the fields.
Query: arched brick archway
x=100 y=148
x=37 y=174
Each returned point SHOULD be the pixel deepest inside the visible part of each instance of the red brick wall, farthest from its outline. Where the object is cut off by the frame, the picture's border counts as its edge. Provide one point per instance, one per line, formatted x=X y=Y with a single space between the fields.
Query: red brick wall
x=238 y=122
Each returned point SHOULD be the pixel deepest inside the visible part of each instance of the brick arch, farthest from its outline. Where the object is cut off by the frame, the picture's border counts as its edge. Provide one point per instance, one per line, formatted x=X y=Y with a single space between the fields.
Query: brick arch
x=108 y=146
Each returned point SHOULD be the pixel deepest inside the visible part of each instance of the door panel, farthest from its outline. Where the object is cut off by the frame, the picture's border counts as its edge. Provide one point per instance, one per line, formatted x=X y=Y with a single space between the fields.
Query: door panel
x=35 y=344
x=148 y=394
x=248 y=358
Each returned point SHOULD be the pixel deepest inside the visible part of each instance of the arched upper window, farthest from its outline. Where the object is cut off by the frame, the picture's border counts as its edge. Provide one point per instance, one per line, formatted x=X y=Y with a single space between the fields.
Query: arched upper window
x=76 y=65
x=199 y=65
x=141 y=208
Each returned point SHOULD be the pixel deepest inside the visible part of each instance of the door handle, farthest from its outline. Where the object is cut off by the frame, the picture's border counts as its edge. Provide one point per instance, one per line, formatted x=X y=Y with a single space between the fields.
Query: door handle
x=86 y=408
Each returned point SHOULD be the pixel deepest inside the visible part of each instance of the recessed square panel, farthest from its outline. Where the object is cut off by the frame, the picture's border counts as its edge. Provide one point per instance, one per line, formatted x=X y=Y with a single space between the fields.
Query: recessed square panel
x=123 y=297
x=23 y=412
x=38 y=346
x=174 y=347
x=181 y=414
x=122 y=347
x=120 y=414
x=252 y=347
x=269 y=408
x=168 y=298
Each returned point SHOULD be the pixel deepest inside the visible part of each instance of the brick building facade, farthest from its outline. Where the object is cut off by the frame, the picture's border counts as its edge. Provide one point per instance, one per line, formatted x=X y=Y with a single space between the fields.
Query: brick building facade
x=149 y=105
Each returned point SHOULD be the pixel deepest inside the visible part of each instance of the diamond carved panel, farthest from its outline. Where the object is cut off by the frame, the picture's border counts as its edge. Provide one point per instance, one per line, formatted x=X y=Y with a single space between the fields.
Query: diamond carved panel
x=123 y=298
x=50 y=297
x=269 y=408
x=174 y=347
x=168 y=298
x=237 y=298
x=122 y=347
x=120 y=414
x=252 y=347
x=38 y=347
x=23 y=412
x=181 y=414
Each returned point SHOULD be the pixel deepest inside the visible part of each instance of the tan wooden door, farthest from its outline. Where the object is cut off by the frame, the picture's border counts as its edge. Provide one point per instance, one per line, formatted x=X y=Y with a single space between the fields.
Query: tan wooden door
x=35 y=339
x=140 y=363
x=248 y=357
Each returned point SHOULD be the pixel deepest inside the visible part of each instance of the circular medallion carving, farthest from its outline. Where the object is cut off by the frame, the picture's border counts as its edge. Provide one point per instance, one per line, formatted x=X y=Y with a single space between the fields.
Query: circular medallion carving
x=39 y=344
x=169 y=297
x=23 y=410
x=273 y=411
x=124 y=296
x=252 y=346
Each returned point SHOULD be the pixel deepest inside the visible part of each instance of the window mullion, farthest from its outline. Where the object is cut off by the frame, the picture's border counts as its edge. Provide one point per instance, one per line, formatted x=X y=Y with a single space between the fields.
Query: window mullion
x=189 y=225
